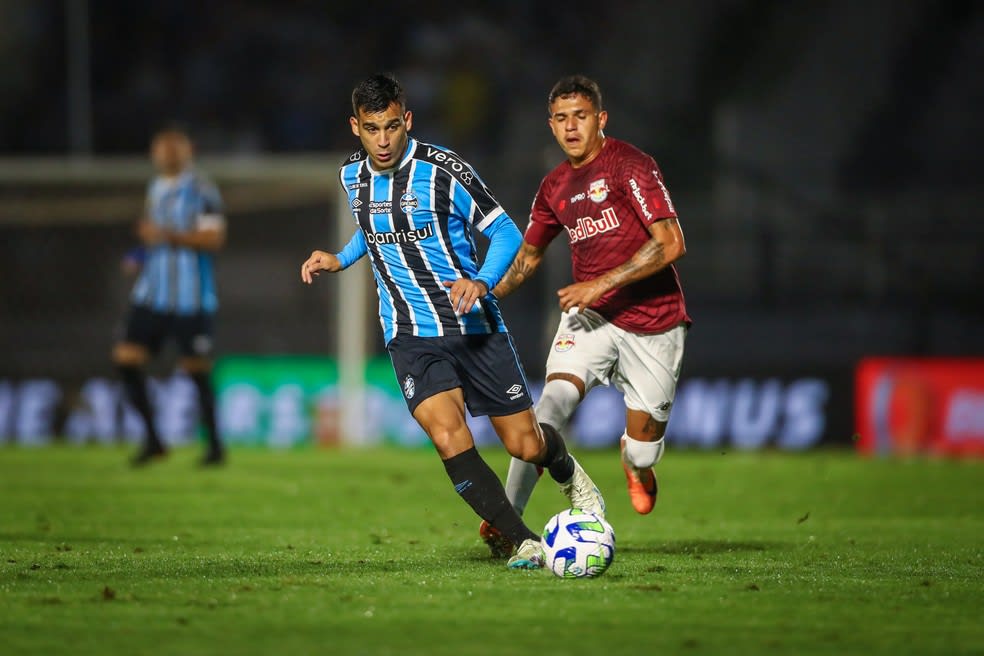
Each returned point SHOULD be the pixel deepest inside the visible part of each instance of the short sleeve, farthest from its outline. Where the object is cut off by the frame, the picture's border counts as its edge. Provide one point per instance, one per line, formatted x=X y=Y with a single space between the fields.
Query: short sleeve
x=211 y=199
x=544 y=225
x=646 y=190
x=212 y=214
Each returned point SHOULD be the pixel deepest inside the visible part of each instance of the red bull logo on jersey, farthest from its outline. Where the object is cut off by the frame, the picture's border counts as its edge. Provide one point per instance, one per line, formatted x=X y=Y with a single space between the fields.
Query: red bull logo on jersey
x=587 y=227
x=598 y=191
x=564 y=343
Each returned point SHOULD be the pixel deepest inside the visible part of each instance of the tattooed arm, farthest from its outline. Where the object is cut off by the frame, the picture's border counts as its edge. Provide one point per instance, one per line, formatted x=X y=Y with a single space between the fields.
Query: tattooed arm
x=527 y=260
x=664 y=247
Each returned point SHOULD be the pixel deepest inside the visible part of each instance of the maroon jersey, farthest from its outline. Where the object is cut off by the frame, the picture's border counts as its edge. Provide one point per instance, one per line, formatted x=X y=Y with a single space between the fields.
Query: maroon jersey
x=606 y=208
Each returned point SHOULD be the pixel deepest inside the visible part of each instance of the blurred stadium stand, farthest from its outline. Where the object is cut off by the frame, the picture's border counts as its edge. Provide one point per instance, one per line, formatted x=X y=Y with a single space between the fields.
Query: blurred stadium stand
x=824 y=158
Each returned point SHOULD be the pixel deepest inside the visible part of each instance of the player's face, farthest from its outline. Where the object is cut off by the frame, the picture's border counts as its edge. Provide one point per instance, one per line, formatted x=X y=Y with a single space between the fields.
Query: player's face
x=171 y=152
x=383 y=134
x=578 y=128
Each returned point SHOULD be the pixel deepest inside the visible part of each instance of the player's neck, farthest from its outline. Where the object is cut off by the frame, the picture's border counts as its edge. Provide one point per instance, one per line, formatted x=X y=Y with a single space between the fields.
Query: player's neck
x=589 y=157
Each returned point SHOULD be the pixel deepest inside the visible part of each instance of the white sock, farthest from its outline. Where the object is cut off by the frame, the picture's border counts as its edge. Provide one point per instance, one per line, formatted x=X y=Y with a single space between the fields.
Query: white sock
x=520 y=482
x=555 y=407
x=642 y=455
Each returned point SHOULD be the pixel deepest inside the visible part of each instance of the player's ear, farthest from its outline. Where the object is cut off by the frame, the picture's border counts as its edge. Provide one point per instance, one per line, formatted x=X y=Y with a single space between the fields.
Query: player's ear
x=602 y=119
x=354 y=122
x=408 y=119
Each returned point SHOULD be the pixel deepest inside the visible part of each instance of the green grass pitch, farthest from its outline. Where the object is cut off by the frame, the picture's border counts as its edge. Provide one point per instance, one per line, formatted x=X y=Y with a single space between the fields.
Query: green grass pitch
x=371 y=552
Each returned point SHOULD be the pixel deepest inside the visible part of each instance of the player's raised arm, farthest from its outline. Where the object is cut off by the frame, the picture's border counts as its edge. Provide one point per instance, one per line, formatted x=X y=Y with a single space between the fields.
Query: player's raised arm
x=665 y=246
x=320 y=261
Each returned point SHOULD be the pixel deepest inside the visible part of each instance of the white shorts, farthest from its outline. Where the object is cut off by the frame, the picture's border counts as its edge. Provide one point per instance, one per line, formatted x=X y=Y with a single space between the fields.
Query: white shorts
x=645 y=368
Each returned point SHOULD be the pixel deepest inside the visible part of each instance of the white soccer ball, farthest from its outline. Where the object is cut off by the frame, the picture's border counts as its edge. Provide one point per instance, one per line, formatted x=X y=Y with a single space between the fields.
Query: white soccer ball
x=578 y=544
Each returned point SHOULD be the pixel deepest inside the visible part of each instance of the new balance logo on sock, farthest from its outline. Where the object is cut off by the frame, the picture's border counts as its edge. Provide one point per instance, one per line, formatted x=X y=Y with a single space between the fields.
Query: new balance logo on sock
x=462 y=486
x=515 y=392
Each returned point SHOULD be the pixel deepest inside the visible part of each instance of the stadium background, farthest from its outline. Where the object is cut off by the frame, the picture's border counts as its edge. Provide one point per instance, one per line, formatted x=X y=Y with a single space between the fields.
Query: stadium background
x=824 y=158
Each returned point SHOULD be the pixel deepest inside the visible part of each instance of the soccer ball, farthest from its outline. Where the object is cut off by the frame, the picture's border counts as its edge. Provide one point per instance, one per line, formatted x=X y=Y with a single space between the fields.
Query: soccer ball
x=578 y=544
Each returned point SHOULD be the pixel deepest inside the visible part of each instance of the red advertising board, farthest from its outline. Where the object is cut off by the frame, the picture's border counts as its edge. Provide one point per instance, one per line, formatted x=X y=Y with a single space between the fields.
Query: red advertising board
x=914 y=406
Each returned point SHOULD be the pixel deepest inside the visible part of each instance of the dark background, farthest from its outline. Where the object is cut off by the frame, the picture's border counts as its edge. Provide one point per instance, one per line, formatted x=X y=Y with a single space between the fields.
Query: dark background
x=824 y=157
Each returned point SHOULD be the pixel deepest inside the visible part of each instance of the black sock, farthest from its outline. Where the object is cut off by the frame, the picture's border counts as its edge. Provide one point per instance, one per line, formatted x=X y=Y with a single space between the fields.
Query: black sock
x=206 y=405
x=135 y=384
x=557 y=460
x=478 y=485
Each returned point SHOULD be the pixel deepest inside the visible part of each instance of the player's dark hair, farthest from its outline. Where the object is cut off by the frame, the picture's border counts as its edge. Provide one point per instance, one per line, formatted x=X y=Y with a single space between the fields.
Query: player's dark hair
x=374 y=94
x=576 y=85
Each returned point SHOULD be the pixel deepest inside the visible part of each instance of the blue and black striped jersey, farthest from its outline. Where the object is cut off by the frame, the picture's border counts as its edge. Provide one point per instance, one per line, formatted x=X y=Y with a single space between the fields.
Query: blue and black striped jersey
x=416 y=223
x=179 y=280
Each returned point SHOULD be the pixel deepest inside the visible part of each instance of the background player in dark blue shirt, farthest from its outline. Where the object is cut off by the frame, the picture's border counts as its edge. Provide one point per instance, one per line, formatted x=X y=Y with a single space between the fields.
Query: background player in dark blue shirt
x=415 y=205
x=174 y=294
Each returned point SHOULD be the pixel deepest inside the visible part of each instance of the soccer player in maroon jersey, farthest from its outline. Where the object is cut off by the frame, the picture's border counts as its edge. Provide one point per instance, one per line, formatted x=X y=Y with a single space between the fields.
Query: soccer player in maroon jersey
x=624 y=319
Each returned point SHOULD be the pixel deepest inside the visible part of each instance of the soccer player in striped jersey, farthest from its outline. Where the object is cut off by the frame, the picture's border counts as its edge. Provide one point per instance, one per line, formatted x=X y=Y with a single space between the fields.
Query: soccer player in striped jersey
x=174 y=296
x=415 y=205
x=624 y=319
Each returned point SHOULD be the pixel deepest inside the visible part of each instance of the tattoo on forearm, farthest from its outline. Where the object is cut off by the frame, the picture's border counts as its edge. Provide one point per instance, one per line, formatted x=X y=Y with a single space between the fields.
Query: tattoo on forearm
x=518 y=272
x=526 y=262
x=650 y=258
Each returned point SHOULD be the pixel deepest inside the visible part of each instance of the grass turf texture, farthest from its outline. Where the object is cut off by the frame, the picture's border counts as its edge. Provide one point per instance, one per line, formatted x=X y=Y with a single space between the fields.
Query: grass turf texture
x=372 y=552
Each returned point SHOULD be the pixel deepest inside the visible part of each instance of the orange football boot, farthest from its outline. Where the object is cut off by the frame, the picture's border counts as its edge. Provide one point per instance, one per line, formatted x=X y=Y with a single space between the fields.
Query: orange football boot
x=642 y=486
x=499 y=544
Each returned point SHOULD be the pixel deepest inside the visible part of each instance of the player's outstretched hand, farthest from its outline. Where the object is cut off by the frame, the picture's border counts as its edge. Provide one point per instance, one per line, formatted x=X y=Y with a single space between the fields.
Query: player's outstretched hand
x=581 y=295
x=465 y=293
x=318 y=262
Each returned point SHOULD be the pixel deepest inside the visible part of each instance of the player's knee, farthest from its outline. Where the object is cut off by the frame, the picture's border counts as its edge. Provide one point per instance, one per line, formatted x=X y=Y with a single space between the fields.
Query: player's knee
x=642 y=454
x=559 y=400
x=126 y=354
x=450 y=438
x=527 y=447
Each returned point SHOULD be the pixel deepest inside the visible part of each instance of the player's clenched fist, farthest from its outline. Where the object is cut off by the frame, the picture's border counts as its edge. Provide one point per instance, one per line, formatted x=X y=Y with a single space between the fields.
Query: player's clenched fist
x=581 y=295
x=318 y=262
x=465 y=293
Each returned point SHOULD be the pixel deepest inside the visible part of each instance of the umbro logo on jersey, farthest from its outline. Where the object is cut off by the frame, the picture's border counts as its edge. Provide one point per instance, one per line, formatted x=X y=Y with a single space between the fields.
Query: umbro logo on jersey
x=409 y=387
x=515 y=392
x=587 y=227
x=356 y=204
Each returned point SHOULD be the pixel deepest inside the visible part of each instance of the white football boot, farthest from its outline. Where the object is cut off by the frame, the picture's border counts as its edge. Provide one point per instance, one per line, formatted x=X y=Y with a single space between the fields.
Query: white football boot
x=529 y=555
x=583 y=493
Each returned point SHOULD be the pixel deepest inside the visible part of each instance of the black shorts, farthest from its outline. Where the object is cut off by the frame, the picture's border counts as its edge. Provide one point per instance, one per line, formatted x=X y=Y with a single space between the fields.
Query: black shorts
x=485 y=367
x=192 y=332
